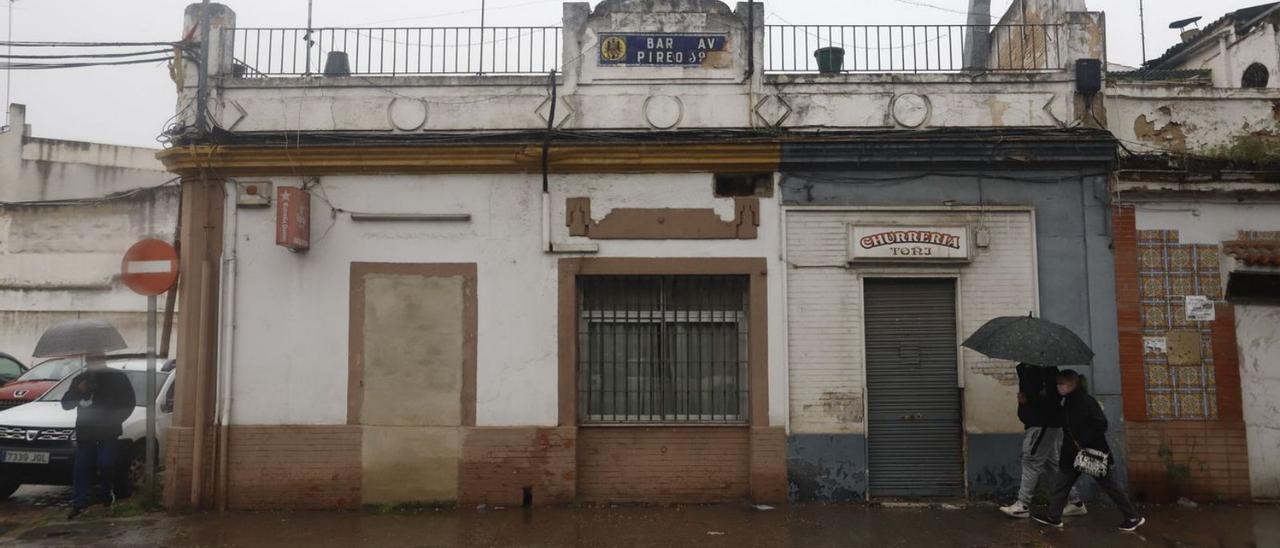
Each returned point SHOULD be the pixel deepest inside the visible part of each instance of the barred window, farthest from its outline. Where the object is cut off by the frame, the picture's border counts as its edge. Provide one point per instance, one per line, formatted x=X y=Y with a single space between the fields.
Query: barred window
x=662 y=349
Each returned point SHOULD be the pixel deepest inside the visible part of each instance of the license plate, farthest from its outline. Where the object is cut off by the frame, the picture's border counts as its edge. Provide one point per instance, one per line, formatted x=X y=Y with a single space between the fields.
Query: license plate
x=25 y=457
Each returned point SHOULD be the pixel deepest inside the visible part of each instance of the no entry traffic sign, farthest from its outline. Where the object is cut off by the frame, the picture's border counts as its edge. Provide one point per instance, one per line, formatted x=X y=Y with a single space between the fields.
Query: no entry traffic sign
x=150 y=267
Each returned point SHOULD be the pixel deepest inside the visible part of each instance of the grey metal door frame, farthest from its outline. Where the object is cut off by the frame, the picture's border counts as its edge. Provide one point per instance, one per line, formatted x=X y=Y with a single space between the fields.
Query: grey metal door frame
x=956 y=280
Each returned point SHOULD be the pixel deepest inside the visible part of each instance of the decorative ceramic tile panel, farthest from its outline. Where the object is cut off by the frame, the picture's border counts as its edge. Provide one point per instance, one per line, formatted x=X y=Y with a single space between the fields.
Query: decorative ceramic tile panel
x=1167 y=273
x=1211 y=286
x=1159 y=376
x=1153 y=288
x=1160 y=405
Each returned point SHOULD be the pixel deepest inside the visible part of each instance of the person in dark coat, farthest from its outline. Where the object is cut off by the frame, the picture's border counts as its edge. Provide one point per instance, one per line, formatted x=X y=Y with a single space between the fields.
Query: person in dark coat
x=1042 y=438
x=1085 y=427
x=103 y=399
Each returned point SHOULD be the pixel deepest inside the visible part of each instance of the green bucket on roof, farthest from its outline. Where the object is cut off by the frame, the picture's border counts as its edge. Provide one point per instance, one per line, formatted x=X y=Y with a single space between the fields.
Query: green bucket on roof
x=830 y=60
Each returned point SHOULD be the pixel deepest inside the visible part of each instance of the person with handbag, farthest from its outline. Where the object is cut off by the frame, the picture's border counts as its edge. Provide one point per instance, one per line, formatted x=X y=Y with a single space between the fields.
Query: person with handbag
x=1085 y=451
x=1041 y=418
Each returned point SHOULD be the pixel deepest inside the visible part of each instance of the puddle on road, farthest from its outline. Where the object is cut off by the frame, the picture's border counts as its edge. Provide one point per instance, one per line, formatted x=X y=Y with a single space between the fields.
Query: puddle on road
x=711 y=526
x=730 y=525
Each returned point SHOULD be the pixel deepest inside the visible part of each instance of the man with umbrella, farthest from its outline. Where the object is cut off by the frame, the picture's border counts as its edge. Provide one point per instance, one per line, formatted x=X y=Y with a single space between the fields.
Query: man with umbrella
x=1038 y=409
x=1039 y=346
x=102 y=398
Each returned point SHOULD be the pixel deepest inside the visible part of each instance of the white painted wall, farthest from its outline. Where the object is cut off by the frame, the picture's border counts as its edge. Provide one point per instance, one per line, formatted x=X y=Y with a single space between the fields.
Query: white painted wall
x=1207 y=222
x=290 y=359
x=1258 y=336
x=1189 y=118
x=1230 y=54
x=63 y=262
x=825 y=311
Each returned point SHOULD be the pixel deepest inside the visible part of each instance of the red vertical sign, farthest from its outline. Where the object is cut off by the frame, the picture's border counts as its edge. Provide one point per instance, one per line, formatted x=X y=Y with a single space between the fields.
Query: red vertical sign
x=293 y=218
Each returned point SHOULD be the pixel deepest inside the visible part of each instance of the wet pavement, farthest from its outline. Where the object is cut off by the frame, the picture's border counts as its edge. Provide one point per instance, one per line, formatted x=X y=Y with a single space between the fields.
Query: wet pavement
x=710 y=526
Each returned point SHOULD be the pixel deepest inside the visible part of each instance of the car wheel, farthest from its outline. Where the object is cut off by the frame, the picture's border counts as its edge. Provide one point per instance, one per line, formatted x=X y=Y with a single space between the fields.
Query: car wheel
x=8 y=487
x=132 y=470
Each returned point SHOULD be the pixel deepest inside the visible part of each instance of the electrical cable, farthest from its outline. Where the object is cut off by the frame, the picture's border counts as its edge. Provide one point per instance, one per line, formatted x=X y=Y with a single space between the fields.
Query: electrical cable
x=85 y=44
x=89 y=55
x=47 y=66
x=86 y=201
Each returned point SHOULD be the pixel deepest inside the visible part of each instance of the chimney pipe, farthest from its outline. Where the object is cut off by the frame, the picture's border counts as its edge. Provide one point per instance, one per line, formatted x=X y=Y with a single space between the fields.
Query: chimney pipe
x=978 y=39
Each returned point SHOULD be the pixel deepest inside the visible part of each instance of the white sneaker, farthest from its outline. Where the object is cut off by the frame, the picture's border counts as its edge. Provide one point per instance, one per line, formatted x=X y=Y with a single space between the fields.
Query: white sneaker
x=1074 y=509
x=1017 y=510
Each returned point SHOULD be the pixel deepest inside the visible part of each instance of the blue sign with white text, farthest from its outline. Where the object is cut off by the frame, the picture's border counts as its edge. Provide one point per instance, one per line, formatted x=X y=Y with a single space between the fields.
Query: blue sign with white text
x=659 y=49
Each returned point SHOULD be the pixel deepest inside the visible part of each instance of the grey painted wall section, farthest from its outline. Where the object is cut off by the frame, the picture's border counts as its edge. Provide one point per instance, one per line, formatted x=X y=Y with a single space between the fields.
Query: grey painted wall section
x=827 y=467
x=1073 y=235
x=994 y=467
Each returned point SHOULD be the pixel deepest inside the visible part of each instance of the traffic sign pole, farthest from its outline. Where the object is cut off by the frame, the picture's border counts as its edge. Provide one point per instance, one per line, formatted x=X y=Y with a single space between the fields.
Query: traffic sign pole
x=150 y=267
x=151 y=400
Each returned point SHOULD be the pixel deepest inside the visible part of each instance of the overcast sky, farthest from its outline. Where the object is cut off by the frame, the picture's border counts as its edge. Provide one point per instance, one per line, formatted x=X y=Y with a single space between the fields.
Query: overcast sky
x=129 y=105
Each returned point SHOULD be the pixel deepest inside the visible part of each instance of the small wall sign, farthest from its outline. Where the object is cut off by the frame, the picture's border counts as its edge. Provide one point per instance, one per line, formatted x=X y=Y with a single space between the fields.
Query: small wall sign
x=1200 y=309
x=1155 y=345
x=293 y=218
x=900 y=243
x=659 y=49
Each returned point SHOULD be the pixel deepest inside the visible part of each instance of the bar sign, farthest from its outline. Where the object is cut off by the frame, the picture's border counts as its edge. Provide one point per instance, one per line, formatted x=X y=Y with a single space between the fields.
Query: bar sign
x=293 y=218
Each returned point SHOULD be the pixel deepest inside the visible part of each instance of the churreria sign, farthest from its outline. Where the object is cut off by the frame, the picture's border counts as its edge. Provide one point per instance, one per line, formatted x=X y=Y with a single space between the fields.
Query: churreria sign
x=910 y=237
x=910 y=243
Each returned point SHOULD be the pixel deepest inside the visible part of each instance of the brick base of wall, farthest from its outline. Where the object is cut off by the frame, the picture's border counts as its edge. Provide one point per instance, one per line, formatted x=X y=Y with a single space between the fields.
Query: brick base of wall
x=294 y=467
x=1202 y=460
x=499 y=464
x=671 y=465
x=271 y=467
x=769 y=465
x=319 y=467
x=177 y=468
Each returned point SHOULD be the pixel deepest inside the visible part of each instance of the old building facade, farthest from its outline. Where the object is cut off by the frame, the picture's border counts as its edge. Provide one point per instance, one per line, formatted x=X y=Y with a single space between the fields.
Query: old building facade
x=1196 y=221
x=626 y=267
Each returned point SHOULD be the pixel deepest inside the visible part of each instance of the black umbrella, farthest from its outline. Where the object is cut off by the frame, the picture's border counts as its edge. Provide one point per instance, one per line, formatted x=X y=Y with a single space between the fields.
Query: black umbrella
x=1030 y=340
x=79 y=337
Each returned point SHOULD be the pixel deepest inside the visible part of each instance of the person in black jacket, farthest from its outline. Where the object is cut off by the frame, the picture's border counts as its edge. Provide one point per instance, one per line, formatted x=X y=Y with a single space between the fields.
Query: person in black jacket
x=103 y=399
x=1041 y=439
x=1085 y=427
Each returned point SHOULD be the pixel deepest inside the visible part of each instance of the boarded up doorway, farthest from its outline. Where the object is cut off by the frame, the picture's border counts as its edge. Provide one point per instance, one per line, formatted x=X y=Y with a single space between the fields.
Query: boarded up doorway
x=914 y=436
x=412 y=378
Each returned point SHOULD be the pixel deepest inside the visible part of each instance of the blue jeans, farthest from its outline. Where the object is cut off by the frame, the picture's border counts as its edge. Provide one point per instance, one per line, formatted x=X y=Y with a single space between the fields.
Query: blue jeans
x=90 y=455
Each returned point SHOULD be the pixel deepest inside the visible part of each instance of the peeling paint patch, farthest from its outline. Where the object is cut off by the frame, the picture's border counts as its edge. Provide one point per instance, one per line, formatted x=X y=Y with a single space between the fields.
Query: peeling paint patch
x=1161 y=130
x=826 y=467
x=845 y=407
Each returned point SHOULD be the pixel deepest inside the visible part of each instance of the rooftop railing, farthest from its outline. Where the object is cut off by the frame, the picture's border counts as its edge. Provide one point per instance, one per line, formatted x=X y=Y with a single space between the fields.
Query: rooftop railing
x=271 y=52
x=266 y=52
x=911 y=48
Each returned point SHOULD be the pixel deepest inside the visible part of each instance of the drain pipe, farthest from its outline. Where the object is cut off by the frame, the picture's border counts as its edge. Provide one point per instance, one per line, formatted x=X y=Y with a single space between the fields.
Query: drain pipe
x=547 y=246
x=227 y=311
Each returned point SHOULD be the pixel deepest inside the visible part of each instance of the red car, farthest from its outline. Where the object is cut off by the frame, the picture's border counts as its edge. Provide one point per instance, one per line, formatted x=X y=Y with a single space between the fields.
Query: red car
x=36 y=381
x=10 y=368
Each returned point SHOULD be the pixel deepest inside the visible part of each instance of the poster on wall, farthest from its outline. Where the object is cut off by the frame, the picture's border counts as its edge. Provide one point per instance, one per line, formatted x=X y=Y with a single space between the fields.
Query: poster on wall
x=909 y=243
x=1155 y=345
x=1200 y=309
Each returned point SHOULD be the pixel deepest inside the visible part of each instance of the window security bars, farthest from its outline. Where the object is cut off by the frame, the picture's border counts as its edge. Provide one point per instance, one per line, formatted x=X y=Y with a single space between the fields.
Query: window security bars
x=662 y=349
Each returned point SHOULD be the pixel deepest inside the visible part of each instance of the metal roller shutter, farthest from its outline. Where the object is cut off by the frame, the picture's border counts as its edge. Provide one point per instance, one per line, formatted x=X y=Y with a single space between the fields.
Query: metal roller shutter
x=914 y=429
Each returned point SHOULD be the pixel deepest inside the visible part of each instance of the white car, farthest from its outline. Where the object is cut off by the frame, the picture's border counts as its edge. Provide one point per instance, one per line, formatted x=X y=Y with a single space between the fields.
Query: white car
x=37 y=440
